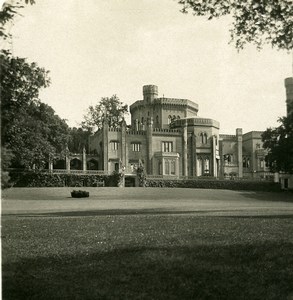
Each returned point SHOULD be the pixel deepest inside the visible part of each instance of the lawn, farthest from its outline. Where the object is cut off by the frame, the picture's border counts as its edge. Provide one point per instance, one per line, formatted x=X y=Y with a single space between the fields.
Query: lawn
x=146 y=244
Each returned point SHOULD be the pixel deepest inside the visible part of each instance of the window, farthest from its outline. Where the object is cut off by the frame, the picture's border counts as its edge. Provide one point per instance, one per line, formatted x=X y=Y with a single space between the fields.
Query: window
x=114 y=145
x=167 y=167
x=245 y=162
x=157 y=120
x=136 y=147
x=262 y=163
x=204 y=138
x=206 y=165
x=172 y=167
x=169 y=119
x=199 y=166
x=160 y=168
x=167 y=146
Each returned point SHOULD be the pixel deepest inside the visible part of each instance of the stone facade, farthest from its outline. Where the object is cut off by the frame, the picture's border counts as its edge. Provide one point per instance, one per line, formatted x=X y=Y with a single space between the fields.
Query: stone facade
x=168 y=138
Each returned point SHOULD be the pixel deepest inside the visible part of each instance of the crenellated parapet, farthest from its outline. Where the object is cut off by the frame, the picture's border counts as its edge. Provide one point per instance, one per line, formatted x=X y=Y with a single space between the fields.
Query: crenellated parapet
x=165 y=102
x=196 y=122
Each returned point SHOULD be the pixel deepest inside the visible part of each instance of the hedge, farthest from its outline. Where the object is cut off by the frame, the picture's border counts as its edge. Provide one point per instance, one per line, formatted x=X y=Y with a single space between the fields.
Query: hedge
x=216 y=184
x=39 y=179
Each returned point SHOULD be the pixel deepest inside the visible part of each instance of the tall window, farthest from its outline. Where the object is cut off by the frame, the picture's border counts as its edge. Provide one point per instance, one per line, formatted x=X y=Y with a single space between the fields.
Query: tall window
x=114 y=145
x=262 y=163
x=157 y=121
x=204 y=138
x=199 y=166
x=246 y=162
x=136 y=147
x=169 y=119
x=160 y=168
x=206 y=165
x=167 y=170
x=167 y=146
x=173 y=167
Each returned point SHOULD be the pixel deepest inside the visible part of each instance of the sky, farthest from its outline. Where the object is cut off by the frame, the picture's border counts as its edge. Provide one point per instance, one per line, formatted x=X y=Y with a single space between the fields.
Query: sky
x=98 y=48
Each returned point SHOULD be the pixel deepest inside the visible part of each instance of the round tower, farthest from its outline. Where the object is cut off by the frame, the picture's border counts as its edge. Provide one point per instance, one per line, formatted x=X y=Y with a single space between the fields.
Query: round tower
x=289 y=94
x=150 y=92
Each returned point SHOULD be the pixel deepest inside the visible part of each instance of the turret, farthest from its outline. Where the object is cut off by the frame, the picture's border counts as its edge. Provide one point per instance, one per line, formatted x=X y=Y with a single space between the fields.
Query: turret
x=150 y=92
x=289 y=94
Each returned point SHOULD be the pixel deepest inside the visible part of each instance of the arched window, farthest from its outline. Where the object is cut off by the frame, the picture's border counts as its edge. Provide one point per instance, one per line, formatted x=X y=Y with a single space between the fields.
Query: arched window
x=157 y=120
x=203 y=138
x=169 y=119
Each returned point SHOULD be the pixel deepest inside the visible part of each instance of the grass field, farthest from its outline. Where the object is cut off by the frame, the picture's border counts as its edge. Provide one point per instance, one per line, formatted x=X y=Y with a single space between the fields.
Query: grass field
x=137 y=243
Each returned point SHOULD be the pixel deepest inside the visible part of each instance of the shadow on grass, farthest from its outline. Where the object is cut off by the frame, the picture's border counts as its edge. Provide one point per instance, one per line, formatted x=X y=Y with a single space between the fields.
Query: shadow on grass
x=282 y=196
x=154 y=211
x=114 y=212
x=263 y=271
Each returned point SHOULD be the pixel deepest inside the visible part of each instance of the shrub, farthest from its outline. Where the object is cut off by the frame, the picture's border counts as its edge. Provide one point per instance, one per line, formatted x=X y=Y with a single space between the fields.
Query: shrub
x=216 y=184
x=41 y=179
x=79 y=194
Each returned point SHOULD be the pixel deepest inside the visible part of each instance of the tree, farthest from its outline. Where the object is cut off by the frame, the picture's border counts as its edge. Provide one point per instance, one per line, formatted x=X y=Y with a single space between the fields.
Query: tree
x=20 y=85
x=279 y=144
x=30 y=129
x=7 y=14
x=78 y=139
x=37 y=136
x=110 y=110
x=254 y=21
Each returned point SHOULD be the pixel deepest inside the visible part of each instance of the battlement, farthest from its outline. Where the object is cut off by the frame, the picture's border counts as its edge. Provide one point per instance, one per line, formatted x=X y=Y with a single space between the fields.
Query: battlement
x=166 y=102
x=196 y=122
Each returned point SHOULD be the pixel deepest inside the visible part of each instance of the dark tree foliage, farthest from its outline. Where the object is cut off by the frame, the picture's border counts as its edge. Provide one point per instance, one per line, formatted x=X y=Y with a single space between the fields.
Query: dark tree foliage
x=78 y=139
x=110 y=110
x=7 y=14
x=279 y=143
x=29 y=128
x=255 y=21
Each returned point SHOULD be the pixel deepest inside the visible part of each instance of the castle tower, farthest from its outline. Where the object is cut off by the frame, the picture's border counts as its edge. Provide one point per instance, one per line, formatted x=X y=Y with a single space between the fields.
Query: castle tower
x=150 y=92
x=289 y=94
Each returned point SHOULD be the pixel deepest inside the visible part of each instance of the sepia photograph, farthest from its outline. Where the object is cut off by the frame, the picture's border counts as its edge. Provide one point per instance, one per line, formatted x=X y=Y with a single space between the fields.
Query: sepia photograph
x=146 y=149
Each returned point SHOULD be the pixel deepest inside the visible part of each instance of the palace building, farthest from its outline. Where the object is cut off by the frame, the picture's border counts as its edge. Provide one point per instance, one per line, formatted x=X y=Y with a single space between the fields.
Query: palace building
x=170 y=140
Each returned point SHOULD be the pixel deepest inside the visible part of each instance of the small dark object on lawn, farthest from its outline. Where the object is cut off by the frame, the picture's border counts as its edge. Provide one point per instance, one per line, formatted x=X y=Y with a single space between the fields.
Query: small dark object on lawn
x=79 y=194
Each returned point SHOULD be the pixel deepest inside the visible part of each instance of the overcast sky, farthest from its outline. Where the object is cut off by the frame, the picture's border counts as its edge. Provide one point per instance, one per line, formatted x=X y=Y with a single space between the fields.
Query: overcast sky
x=97 y=48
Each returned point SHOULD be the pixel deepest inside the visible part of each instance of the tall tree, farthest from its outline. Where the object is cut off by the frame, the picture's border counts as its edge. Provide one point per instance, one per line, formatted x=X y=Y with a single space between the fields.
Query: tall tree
x=78 y=139
x=110 y=110
x=30 y=129
x=20 y=85
x=279 y=144
x=254 y=21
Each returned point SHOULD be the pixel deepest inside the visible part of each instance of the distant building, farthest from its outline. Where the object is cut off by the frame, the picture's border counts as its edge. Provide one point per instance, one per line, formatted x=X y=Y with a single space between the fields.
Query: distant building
x=169 y=139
